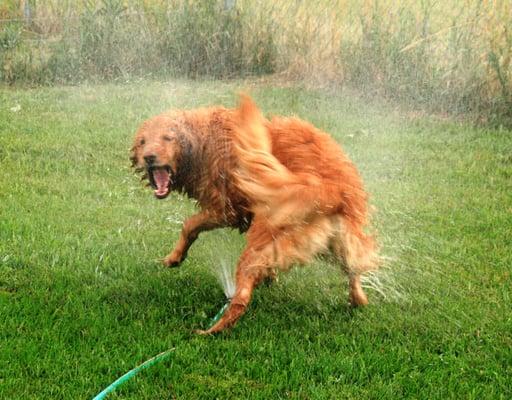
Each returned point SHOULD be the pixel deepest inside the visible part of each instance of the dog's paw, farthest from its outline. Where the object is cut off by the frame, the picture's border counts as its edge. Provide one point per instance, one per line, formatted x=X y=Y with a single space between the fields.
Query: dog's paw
x=357 y=299
x=202 y=332
x=172 y=260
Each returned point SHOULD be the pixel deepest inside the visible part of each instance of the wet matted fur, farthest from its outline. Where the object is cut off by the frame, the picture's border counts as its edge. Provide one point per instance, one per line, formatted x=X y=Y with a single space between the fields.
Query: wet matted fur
x=284 y=182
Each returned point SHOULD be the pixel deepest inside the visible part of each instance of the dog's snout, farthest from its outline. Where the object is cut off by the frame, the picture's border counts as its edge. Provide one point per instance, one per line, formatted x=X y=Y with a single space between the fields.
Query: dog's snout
x=150 y=159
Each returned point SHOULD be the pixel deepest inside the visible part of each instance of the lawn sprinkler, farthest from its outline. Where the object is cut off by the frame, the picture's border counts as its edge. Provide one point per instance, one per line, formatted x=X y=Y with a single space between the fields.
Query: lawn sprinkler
x=221 y=312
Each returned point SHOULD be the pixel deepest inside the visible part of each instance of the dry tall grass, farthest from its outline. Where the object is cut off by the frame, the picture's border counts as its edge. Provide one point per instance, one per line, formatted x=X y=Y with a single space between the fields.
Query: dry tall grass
x=449 y=56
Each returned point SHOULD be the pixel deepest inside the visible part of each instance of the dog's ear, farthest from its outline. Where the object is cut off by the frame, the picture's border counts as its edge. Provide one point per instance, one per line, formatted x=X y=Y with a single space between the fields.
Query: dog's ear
x=251 y=132
x=186 y=154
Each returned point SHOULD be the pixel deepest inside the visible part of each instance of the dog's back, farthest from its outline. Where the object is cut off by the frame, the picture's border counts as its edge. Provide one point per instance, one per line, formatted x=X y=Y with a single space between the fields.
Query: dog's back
x=307 y=151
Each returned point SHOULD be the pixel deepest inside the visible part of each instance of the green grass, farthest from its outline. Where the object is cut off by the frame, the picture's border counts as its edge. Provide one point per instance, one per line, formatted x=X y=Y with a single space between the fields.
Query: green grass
x=83 y=298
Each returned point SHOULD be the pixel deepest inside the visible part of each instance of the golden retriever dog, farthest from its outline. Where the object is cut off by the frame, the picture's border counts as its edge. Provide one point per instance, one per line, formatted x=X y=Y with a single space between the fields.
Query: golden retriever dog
x=284 y=182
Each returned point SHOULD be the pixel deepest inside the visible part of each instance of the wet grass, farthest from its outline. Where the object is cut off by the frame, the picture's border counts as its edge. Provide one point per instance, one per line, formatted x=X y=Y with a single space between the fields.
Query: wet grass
x=83 y=298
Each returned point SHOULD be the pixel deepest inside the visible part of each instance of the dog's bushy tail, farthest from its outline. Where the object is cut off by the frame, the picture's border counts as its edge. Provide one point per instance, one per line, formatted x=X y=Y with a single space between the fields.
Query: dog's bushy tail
x=275 y=191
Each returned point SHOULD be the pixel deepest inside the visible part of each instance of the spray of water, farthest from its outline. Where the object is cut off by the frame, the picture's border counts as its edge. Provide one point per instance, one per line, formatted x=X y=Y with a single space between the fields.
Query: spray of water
x=321 y=283
x=224 y=251
x=405 y=276
x=385 y=281
x=226 y=279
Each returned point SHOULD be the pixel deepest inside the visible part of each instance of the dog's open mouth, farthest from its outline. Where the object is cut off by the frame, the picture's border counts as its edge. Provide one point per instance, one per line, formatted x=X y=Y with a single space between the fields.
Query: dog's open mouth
x=160 y=179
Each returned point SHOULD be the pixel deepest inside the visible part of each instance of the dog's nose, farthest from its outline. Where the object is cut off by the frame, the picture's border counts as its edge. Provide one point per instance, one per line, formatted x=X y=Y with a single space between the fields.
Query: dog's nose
x=150 y=159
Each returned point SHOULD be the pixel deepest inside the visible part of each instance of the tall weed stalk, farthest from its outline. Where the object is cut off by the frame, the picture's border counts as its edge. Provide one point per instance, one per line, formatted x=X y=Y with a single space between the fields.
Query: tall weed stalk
x=447 y=57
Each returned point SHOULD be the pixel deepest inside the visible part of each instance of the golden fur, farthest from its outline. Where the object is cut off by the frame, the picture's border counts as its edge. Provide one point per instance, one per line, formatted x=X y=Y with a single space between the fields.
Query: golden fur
x=286 y=183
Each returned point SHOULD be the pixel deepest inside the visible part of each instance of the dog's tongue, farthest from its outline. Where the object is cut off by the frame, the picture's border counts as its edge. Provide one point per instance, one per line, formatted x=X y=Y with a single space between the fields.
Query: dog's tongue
x=161 y=177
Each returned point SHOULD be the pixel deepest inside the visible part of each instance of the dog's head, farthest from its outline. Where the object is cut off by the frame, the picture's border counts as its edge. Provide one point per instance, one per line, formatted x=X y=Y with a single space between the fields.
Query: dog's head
x=158 y=151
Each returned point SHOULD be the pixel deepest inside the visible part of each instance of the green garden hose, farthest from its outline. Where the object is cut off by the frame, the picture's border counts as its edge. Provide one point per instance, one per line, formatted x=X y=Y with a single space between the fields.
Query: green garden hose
x=221 y=312
x=146 y=364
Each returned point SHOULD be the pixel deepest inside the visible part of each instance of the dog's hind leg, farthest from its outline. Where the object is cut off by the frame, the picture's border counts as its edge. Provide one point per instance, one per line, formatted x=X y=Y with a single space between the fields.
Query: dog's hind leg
x=357 y=253
x=192 y=227
x=357 y=296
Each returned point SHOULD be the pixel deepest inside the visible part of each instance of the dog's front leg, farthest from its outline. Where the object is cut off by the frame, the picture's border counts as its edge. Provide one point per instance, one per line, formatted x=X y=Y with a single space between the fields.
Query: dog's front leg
x=245 y=285
x=192 y=227
x=253 y=267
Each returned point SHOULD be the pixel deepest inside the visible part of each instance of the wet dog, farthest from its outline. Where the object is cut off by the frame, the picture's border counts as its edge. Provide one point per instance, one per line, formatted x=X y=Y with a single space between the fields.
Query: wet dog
x=284 y=182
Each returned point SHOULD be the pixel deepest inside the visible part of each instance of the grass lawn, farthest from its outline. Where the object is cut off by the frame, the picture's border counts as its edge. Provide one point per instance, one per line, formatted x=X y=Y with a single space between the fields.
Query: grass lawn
x=83 y=298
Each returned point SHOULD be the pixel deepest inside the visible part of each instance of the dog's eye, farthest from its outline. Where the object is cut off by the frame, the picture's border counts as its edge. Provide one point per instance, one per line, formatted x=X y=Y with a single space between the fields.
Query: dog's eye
x=142 y=142
x=167 y=138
